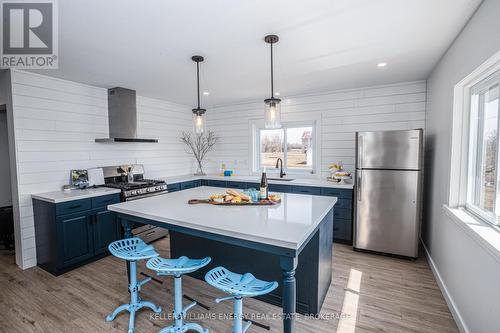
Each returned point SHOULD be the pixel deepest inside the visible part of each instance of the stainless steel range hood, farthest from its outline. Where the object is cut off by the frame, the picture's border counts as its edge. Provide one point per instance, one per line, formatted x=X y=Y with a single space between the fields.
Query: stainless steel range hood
x=122 y=114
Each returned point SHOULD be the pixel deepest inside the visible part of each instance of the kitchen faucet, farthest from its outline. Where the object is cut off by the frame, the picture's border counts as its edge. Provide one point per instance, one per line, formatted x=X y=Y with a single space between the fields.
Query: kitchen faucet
x=281 y=168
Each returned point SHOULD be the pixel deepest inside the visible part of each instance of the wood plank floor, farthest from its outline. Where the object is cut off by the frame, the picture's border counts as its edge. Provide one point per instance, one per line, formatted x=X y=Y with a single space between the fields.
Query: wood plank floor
x=369 y=293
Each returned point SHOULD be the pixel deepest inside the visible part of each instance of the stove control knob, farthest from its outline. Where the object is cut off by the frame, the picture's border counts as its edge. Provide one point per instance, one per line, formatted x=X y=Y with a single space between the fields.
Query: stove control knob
x=149 y=189
x=133 y=192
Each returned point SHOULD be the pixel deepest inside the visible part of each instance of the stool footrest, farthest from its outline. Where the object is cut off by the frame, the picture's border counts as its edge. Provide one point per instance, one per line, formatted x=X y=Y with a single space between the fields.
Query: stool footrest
x=218 y=300
x=143 y=282
x=187 y=308
x=247 y=325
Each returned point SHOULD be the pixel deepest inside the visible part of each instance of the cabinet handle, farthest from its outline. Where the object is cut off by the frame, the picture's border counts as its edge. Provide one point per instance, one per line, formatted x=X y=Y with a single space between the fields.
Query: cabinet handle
x=108 y=200
x=75 y=206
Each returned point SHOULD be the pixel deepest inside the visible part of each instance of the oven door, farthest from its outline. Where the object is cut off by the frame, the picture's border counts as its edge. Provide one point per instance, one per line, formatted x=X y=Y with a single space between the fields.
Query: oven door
x=147 y=232
x=149 y=195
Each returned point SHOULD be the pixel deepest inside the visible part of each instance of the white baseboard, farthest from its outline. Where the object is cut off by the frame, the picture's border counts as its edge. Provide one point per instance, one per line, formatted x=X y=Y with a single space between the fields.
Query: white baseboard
x=447 y=296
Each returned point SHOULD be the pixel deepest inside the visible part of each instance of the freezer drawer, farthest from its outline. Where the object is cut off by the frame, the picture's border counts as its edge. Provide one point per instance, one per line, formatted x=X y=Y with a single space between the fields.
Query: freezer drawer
x=388 y=211
x=389 y=150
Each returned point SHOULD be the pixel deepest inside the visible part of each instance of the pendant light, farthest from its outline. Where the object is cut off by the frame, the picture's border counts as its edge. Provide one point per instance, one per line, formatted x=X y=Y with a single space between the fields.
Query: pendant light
x=199 y=118
x=272 y=105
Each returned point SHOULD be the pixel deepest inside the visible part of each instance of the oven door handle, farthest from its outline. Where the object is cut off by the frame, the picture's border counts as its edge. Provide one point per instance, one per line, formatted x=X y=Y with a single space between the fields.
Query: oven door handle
x=146 y=196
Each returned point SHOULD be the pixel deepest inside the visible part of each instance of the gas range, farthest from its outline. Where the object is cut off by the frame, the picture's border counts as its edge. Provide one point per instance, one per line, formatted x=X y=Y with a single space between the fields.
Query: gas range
x=139 y=188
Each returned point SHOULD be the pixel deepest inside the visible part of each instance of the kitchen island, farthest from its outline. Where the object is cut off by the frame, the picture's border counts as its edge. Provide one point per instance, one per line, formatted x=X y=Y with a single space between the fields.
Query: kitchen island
x=294 y=236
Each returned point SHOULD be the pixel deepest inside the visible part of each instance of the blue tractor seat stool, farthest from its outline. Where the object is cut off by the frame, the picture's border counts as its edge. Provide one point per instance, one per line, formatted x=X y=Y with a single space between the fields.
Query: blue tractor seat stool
x=239 y=286
x=133 y=249
x=176 y=268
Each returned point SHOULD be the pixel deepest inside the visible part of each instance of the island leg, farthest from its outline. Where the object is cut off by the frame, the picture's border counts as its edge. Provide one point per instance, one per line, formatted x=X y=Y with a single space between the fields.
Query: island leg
x=288 y=266
x=127 y=228
x=127 y=233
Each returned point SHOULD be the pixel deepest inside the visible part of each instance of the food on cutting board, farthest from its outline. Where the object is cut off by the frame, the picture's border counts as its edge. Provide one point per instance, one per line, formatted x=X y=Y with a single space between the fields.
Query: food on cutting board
x=241 y=195
x=274 y=197
x=342 y=174
x=236 y=197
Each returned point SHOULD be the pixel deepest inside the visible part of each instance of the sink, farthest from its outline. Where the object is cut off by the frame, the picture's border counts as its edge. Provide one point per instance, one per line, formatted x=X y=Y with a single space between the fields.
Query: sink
x=281 y=179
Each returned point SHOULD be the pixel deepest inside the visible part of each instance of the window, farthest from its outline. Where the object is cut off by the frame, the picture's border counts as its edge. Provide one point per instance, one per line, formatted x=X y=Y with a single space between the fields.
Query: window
x=292 y=143
x=483 y=189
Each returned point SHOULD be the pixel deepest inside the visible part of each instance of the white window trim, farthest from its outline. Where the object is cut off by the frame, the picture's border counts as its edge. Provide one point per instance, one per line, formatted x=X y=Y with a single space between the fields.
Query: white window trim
x=484 y=233
x=458 y=180
x=256 y=124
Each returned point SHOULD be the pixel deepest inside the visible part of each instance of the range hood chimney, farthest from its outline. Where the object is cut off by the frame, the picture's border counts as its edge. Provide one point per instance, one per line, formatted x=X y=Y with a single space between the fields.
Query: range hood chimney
x=122 y=114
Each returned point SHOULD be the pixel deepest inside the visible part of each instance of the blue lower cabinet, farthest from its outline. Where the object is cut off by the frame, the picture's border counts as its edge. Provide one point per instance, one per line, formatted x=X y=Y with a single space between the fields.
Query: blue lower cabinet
x=306 y=190
x=188 y=185
x=342 y=230
x=238 y=185
x=66 y=241
x=174 y=187
x=75 y=239
x=216 y=183
x=75 y=206
x=280 y=188
x=253 y=185
x=106 y=230
x=337 y=192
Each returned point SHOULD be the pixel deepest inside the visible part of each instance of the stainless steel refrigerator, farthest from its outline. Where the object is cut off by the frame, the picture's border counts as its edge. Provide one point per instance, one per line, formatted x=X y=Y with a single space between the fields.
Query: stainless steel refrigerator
x=388 y=191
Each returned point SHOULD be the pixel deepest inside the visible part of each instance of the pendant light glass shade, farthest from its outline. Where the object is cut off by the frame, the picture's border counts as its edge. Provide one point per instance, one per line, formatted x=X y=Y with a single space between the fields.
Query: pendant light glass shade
x=199 y=117
x=272 y=106
x=199 y=121
x=273 y=113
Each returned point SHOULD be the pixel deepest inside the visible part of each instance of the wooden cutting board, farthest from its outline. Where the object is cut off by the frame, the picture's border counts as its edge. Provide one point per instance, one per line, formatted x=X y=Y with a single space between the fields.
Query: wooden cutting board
x=210 y=202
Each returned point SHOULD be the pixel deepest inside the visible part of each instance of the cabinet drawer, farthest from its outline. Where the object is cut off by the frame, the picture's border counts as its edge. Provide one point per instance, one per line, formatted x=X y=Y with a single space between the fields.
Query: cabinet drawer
x=217 y=183
x=70 y=207
x=197 y=183
x=174 y=187
x=306 y=190
x=253 y=185
x=238 y=185
x=188 y=185
x=342 y=229
x=336 y=192
x=280 y=188
x=342 y=213
x=343 y=203
x=105 y=200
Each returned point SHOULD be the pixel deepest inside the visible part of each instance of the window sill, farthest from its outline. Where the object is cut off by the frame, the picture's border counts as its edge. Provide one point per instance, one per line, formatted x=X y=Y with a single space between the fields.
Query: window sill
x=486 y=235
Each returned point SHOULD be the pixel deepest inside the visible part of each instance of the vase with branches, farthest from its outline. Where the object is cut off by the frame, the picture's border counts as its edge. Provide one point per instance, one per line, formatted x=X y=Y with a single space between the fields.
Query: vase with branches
x=199 y=145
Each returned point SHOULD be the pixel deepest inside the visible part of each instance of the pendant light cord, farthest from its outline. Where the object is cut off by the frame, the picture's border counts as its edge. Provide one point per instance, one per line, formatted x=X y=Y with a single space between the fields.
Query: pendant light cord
x=272 y=69
x=198 y=81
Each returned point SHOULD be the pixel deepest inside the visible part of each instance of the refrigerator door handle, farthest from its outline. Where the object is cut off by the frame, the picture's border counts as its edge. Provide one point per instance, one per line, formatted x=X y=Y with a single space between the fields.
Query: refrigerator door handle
x=360 y=152
x=359 y=181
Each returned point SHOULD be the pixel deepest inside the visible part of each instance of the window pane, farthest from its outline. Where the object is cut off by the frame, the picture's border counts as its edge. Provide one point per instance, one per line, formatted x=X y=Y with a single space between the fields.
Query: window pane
x=299 y=147
x=271 y=147
x=485 y=188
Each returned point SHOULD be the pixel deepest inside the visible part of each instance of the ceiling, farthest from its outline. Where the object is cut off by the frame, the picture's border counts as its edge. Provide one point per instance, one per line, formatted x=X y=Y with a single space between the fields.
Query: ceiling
x=324 y=44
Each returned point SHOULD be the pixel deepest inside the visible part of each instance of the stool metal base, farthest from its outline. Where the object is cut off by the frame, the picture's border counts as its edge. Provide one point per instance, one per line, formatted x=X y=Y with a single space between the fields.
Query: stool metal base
x=180 y=312
x=184 y=328
x=135 y=302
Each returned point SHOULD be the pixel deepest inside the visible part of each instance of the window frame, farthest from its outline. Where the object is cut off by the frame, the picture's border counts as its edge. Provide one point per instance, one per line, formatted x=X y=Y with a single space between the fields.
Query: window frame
x=256 y=156
x=476 y=105
x=460 y=167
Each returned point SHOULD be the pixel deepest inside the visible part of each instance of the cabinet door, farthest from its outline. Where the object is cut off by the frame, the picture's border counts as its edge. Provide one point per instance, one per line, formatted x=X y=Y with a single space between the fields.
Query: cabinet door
x=75 y=238
x=105 y=230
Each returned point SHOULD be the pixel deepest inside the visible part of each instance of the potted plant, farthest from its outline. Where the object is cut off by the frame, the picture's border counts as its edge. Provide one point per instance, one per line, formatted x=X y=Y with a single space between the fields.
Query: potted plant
x=199 y=145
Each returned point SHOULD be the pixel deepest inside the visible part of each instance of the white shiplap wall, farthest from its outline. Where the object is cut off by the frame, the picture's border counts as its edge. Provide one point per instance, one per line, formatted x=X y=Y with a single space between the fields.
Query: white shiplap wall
x=56 y=122
x=339 y=115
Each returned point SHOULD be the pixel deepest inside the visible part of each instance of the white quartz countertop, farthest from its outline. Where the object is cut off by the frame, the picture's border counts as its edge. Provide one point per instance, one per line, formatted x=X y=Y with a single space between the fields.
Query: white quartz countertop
x=76 y=194
x=256 y=179
x=288 y=224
